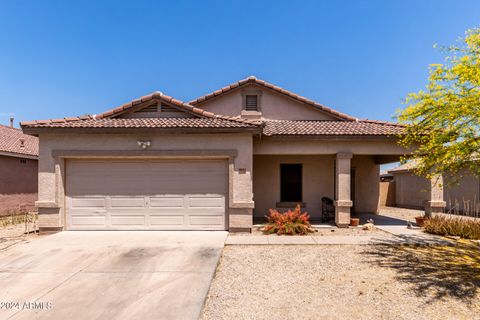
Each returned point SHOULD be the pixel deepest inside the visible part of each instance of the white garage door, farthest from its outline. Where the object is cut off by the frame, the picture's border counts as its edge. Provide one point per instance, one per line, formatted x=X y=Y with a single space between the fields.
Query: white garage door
x=146 y=194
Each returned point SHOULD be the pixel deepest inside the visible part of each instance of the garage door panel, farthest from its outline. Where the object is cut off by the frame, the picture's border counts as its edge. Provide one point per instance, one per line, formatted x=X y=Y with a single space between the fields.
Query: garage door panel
x=146 y=194
x=86 y=185
x=167 y=220
x=213 y=211
x=87 y=203
x=88 y=221
x=127 y=202
x=85 y=167
x=206 y=220
x=206 y=201
x=167 y=201
x=127 y=220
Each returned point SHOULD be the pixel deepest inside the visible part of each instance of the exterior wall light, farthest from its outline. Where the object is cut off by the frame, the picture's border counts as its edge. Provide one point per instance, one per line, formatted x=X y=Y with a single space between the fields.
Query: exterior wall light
x=144 y=144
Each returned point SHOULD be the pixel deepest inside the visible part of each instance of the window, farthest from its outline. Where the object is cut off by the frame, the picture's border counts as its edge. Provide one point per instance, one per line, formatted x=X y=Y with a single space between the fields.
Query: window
x=23 y=161
x=251 y=102
x=290 y=182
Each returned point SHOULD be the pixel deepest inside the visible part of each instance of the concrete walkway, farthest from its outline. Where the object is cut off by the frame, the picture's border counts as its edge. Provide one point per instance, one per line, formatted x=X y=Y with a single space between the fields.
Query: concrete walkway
x=110 y=275
x=412 y=239
x=396 y=228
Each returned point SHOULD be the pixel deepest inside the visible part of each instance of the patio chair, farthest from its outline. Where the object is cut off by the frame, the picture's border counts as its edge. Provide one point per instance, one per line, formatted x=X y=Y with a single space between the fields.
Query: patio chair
x=328 y=210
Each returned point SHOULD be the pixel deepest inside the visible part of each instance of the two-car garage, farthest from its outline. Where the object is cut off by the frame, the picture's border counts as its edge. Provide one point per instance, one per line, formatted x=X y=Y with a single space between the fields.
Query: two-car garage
x=141 y=194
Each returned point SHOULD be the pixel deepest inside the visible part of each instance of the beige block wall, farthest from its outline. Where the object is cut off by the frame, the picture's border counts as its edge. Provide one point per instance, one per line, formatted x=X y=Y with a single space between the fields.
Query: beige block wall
x=51 y=171
x=463 y=195
x=273 y=106
x=318 y=182
x=411 y=191
x=387 y=193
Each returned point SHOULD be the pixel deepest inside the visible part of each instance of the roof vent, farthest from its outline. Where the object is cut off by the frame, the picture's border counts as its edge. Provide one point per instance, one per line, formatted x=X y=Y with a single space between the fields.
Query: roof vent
x=22 y=143
x=149 y=109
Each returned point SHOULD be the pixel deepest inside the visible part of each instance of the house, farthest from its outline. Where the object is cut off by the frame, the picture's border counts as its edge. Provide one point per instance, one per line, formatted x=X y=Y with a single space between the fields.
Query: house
x=214 y=163
x=413 y=191
x=18 y=161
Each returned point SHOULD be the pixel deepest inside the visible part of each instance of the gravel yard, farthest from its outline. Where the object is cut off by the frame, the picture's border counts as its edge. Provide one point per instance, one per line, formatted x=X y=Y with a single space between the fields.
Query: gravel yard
x=325 y=231
x=346 y=282
x=17 y=233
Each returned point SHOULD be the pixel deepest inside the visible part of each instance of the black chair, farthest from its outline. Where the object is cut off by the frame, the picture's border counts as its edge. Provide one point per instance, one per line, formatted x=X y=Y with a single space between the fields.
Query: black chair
x=328 y=210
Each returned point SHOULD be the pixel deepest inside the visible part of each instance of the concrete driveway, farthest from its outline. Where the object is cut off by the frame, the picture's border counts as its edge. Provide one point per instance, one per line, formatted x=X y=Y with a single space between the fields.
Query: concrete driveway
x=109 y=275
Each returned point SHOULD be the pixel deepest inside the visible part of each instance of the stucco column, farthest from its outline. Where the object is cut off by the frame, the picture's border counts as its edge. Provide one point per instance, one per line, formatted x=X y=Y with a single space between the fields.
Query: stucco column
x=343 y=203
x=436 y=203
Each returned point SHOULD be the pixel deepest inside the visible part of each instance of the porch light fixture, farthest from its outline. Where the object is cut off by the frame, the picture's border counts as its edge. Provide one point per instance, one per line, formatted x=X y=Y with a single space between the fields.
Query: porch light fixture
x=144 y=144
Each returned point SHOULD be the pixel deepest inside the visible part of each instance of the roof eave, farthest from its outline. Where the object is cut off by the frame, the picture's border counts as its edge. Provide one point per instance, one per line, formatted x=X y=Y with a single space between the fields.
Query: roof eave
x=18 y=155
x=39 y=130
x=342 y=137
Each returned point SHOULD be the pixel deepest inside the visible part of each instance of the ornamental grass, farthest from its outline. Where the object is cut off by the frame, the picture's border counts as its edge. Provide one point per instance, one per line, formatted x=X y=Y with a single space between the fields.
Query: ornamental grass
x=445 y=225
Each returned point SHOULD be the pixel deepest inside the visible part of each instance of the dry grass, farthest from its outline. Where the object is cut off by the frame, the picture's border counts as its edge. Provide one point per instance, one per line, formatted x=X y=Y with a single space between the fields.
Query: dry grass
x=445 y=225
x=14 y=219
x=17 y=203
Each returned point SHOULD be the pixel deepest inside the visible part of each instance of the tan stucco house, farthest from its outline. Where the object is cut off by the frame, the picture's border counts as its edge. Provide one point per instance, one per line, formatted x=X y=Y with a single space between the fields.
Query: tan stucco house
x=214 y=163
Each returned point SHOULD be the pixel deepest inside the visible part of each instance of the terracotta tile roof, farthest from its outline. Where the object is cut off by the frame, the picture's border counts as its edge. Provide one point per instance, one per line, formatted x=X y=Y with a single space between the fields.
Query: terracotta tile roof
x=331 y=128
x=262 y=83
x=11 y=142
x=156 y=96
x=146 y=123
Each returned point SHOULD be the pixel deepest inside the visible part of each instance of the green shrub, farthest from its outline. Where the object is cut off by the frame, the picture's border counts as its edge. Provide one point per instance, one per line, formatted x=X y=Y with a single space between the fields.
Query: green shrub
x=290 y=222
x=467 y=228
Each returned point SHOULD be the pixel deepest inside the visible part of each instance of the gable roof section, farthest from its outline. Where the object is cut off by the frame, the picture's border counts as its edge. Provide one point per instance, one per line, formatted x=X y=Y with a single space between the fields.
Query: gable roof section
x=11 y=142
x=99 y=121
x=272 y=87
x=331 y=128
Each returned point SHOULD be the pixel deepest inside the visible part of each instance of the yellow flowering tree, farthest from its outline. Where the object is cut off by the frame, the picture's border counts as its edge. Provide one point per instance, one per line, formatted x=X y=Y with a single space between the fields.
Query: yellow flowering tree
x=443 y=121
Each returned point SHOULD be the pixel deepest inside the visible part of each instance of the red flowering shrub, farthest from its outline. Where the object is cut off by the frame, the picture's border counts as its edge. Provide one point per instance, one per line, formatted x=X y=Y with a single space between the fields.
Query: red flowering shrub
x=290 y=222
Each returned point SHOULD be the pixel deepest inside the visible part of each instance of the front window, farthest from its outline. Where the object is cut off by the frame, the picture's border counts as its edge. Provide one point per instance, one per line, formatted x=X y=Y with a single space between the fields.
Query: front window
x=291 y=182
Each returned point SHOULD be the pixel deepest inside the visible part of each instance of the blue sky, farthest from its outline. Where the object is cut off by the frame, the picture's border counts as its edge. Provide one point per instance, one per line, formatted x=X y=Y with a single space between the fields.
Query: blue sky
x=60 y=58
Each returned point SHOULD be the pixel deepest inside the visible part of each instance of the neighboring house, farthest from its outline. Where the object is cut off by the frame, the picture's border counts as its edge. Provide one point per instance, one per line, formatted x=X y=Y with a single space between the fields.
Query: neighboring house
x=213 y=163
x=18 y=161
x=413 y=191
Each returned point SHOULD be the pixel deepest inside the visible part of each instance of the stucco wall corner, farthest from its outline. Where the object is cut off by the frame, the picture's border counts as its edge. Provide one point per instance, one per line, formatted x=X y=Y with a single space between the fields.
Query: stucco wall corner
x=240 y=219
